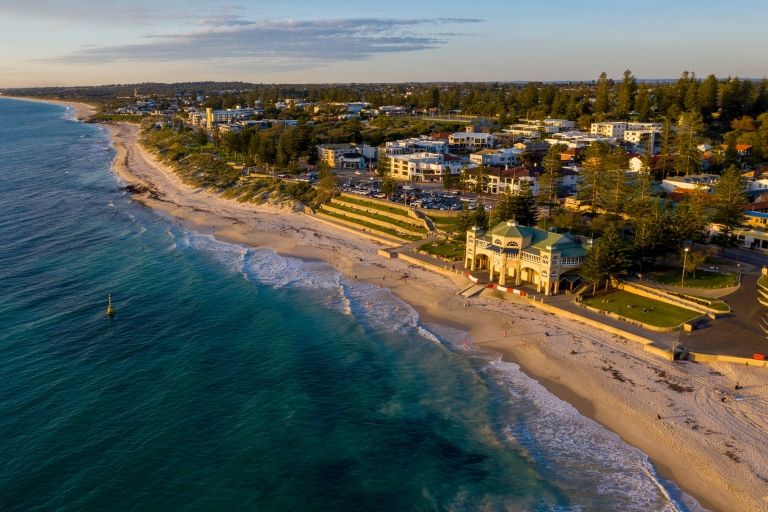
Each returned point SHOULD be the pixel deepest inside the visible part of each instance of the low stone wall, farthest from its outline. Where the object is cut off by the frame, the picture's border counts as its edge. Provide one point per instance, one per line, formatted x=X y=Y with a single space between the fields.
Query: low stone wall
x=377 y=222
x=356 y=229
x=711 y=358
x=429 y=266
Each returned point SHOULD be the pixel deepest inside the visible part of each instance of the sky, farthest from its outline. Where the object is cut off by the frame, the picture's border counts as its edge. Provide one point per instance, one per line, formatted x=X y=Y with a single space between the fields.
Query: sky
x=94 y=42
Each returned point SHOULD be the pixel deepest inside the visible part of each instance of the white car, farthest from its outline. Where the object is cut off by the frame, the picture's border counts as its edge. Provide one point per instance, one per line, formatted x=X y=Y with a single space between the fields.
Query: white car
x=359 y=173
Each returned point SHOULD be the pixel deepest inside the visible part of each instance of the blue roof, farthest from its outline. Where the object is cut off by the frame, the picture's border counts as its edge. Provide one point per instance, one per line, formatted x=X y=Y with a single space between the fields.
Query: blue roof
x=759 y=215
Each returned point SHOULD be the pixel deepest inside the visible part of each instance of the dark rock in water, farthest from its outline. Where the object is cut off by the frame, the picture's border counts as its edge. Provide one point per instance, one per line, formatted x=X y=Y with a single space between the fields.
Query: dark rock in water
x=135 y=189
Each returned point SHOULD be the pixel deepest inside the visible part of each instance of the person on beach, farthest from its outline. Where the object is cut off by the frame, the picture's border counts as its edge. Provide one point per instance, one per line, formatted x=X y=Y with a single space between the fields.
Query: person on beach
x=505 y=333
x=379 y=285
x=465 y=343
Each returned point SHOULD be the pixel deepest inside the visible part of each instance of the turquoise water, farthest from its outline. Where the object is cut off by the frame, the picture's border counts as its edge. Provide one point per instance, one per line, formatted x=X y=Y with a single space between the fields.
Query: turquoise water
x=229 y=381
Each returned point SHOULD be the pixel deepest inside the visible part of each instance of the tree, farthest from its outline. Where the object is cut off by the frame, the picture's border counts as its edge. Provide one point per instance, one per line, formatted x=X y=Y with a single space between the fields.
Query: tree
x=625 y=99
x=480 y=180
x=447 y=178
x=523 y=207
x=593 y=161
x=388 y=186
x=643 y=102
x=688 y=159
x=549 y=182
x=708 y=98
x=326 y=178
x=604 y=260
x=727 y=211
x=202 y=137
x=614 y=191
x=504 y=209
x=731 y=156
x=312 y=155
x=668 y=141
x=694 y=258
x=480 y=216
x=602 y=98
x=529 y=158
x=383 y=164
x=465 y=219
x=566 y=220
x=268 y=151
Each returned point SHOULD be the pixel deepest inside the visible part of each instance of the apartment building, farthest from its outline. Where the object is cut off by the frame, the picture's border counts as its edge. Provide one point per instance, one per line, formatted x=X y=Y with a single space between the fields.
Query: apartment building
x=470 y=141
x=332 y=153
x=610 y=130
x=423 y=166
x=421 y=144
x=503 y=157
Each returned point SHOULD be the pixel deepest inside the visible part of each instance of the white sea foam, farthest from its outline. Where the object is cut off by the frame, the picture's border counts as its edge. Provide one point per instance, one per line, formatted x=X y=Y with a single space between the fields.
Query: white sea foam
x=571 y=449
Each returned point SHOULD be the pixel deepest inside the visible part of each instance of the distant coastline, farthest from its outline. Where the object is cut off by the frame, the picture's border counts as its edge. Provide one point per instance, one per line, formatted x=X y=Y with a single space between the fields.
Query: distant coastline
x=82 y=110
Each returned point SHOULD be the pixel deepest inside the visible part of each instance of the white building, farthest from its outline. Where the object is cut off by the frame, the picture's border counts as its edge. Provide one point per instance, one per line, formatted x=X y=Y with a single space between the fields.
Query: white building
x=471 y=141
x=422 y=144
x=610 y=130
x=505 y=156
x=423 y=166
x=640 y=138
x=703 y=181
x=562 y=125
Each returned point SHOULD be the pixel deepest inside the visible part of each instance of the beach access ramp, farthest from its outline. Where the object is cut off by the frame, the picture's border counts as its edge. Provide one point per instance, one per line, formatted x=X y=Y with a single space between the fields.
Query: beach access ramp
x=472 y=290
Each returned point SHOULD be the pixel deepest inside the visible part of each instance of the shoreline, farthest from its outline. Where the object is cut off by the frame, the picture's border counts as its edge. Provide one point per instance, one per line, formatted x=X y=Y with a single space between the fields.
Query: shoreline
x=624 y=398
x=82 y=110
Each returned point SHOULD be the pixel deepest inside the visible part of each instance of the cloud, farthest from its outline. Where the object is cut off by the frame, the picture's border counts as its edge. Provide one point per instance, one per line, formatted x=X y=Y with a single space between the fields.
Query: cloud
x=230 y=37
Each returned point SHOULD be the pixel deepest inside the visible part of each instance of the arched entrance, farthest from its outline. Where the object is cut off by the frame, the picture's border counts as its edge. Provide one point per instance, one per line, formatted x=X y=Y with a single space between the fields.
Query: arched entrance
x=529 y=276
x=481 y=262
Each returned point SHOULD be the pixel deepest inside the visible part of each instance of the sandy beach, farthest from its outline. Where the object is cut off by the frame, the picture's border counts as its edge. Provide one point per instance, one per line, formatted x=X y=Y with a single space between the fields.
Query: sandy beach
x=714 y=450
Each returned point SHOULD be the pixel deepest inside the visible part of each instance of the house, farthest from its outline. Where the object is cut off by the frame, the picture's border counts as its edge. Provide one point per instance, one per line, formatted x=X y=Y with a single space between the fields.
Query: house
x=636 y=163
x=500 y=180
x=571 y=155
x=540 y=148
x=641 y=138
x=504 y=157
x=331 y=152
x=470 y=141
x=743 y=151
x=230 y=128
x=702 y=182
x=528 y=255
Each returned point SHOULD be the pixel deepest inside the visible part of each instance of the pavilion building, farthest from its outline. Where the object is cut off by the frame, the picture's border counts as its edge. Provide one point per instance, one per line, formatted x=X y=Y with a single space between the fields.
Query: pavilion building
x=527 y=255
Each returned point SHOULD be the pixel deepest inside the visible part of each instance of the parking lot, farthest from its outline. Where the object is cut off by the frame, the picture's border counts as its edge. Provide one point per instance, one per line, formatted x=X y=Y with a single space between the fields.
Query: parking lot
x=426 y=195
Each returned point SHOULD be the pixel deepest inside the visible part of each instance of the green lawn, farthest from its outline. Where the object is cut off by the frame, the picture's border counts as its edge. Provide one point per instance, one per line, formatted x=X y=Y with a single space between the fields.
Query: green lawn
x=445 y=223
x=375 y=206
x=648 y=311
x=763 y=281
x=710 y=302
x=388 y=220
x=369 y=226
x=703 y=279
x=445 y=249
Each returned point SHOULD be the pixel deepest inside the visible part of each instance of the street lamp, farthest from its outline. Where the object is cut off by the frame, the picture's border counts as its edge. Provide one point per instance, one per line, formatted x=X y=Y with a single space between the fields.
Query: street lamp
x=685 y=259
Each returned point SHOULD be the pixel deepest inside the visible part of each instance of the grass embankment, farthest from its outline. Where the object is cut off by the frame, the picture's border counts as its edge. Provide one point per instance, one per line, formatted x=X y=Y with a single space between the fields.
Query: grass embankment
x=445 y=223
x=182 y=153
x=703 y=279
x=375 y=206
x=709 y=302
x=642 y=309
x=389 y=220
x=369 y=226
x=444 y=248
x=763 y=281
x=118 y=118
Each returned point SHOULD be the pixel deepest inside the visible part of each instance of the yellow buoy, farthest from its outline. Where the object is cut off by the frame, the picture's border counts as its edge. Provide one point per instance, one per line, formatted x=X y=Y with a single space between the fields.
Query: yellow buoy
x=110 y=309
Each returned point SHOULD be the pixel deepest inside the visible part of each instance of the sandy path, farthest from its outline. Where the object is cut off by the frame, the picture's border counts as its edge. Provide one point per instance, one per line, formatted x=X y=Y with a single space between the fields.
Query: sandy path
x=715 y=451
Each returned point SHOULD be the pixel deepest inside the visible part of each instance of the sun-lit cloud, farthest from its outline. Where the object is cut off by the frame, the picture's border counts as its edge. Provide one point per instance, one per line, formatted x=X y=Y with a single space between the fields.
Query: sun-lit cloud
x=229 y=36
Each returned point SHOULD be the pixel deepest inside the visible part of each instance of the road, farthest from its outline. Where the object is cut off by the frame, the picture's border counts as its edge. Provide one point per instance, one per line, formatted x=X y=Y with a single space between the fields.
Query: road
x=756 y=257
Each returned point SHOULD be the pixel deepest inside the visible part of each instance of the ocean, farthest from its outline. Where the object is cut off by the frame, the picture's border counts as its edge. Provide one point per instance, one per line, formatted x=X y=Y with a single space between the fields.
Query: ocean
x=232 y=378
